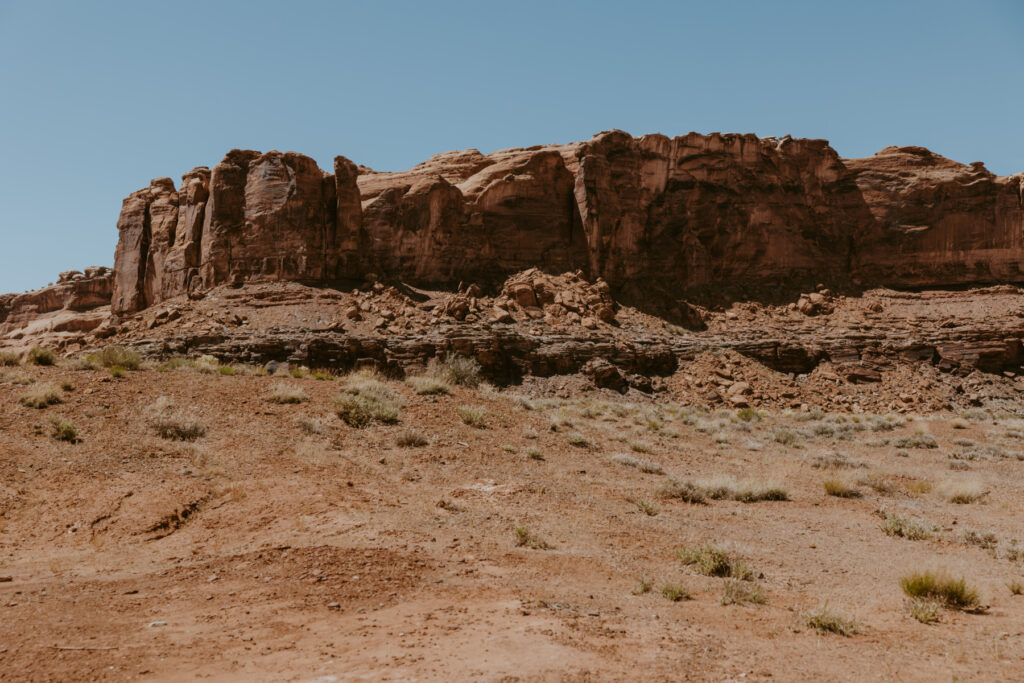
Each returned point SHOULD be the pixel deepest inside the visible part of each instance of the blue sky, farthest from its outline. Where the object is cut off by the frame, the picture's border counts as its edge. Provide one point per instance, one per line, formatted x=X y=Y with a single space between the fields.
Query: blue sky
x=98 y=97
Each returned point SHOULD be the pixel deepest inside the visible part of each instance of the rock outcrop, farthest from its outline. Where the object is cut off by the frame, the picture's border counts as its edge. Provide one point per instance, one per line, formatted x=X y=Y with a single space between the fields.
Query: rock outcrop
x=660 y=219
x=78 y=302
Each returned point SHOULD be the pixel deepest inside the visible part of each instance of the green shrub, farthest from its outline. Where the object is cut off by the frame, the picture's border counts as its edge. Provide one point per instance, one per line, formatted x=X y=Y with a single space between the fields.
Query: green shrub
x=226 y=370
x=925 y=611
x=116 y=371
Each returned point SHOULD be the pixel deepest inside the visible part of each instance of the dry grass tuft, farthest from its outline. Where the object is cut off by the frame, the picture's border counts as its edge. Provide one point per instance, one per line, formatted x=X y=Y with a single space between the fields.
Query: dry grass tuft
x=411 y=438
x=840 y=489
x=952 y=593
x=962 y=492
x=746 y=491
x=527 y=539
x=173 y=423
x=282 y=393
x=64 y=430
x=43 y=396
x=711 y=560
x=826 y=620
x=9 y=359
x=645 y=466
x=40 y=356
x=474 y=416
x=904 y=527
x=428 y=385
x=736 y=592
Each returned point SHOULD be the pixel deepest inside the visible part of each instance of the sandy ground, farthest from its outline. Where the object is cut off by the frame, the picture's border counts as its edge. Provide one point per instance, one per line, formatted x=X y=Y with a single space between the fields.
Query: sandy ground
x=267 y=551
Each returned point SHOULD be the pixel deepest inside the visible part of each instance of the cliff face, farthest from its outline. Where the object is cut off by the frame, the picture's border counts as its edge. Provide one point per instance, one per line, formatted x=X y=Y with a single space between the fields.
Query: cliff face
x=661 y=216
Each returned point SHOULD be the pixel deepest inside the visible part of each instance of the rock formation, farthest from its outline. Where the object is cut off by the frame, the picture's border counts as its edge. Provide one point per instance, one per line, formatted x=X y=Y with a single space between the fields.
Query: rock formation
x=663 y=218
x=76 y=303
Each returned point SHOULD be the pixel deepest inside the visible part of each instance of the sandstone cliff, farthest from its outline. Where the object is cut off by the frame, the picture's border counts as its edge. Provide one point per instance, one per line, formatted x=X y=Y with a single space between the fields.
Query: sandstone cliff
x=661 y=218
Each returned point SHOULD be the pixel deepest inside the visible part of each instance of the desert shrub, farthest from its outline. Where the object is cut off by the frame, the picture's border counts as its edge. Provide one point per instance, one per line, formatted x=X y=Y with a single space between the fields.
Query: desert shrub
x=9 y=359
x=904 y=527
x=116 y=371
x=786 y=437
x=534 y=453
x=746 y=491
x=675 y=592
x=64 y=430
x=110 y=356
x=646 y=507
x=952 y=593
x=577 y=439
x=826 y=620
x=459 y=369
x=878 y=483
x=428 y=385
x=527 y=539
x=925 y=611
x=207 y=365
x=474 y=416
x=310 y=425
x=919 y=440
x=982 y=539
x=42 y=396
x=834 y=461
x=360 y=410
x=644 y=586
x=299 y=371
x=366 y=398
x=40 y=356
x=1016 y=587
x=711 y=560
x=645 y=466
x=748 y=415
x=282 y=393
x=173 y=423
x=962 y=492
x=682 y=490
x=322 y=375
x=410 y=438
x=840 y=489
x=226 y=370
x=736 y=592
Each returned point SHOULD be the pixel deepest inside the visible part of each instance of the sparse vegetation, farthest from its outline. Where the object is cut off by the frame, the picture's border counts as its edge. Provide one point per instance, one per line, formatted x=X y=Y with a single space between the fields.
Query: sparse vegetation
x=786 y=437
x=43 y=396
x=310 y=425
x=428 y=385
x=904 y=527
x=1016 y=587
x=644 y=586
x=918 y=440
x=110 y=356
x=647 y=507
x=173 y=423
x=461 y=370
x=736 y=592
x=645 y=466
x=711 y=560
x=840 y=489
x=474 y=416
x=925 y=611
x=962 y=492
x=411 y=438
x=64 y=430
x=9 y=359
x=282 y=394
x=534 y=453
x=577 y=439
x=116 y=371
x=675 y=592
x=527 y=539
x=38 y=355
x=366 y=399
x=827 y=620
x=682 y=490
x=952 y=593
x=746 y=491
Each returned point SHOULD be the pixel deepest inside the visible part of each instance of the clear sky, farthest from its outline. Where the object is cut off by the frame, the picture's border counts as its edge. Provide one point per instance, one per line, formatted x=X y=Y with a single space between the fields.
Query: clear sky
x=98 y=97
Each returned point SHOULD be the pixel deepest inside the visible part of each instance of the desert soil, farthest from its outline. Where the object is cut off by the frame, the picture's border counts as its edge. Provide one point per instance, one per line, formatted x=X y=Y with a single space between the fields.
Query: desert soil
x=284 y=544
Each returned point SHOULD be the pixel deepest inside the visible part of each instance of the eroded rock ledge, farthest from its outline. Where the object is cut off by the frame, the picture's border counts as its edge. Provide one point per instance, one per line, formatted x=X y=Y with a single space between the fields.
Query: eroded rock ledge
x=658 y=218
